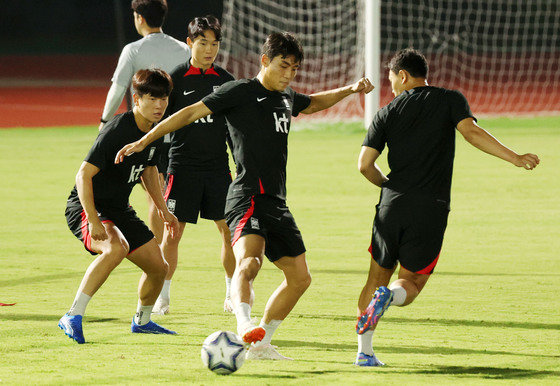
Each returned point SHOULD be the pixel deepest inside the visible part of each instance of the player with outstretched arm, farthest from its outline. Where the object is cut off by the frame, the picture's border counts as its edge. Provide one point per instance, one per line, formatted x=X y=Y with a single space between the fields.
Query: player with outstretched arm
x=99 y=215
x=258 y=112
x=418 y=127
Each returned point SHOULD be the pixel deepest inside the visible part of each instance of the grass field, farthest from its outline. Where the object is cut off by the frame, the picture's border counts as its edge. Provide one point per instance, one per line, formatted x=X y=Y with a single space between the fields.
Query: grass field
x=490 y=313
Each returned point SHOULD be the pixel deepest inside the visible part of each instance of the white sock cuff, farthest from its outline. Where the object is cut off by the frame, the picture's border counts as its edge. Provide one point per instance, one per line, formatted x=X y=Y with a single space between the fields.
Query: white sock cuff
x=243 y=313
x=399 y=296
x=274 y=323
x=80 y=303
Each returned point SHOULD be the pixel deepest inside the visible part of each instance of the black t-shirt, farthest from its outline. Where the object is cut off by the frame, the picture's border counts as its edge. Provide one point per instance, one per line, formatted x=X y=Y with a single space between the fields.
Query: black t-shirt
x=259 y=123
x=418 y=127
x=114 y=182
x=200 y=146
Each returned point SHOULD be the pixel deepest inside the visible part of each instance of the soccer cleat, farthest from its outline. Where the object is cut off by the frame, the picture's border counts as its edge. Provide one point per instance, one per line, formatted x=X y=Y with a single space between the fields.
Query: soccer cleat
x=381 y=300
x=228 y=305
x=251 y=333
x=150 y=328
x=367 y=360
x=72 y=326
x=265 y=352
x=161 y=307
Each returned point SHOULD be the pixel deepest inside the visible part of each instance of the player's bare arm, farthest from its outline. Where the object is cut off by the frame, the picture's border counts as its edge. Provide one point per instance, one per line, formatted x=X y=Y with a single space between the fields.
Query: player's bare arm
x=325 y=99
x=181 y=118
x=84 y=186
x=481 y=139
x=368 y=167
x=150 y=178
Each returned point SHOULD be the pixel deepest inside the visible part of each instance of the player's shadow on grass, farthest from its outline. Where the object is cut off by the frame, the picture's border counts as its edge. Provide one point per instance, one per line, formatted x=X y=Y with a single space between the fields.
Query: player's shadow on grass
x=403 y=349
x=474 y=323
x=442 y=322
x=319 y=345
x=439 y=350
x=481 y=372
x=48 y=318
x=68 y=275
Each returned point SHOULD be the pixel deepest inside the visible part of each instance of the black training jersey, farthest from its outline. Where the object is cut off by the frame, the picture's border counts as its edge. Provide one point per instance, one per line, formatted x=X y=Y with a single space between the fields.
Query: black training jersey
x=200 y=146
x=259 y=123
x=114 y=182
x=418 y=127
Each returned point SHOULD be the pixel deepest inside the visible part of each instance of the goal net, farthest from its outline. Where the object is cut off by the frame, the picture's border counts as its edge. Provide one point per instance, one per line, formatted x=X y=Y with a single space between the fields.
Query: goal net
x=330 y=32
x=503 y=55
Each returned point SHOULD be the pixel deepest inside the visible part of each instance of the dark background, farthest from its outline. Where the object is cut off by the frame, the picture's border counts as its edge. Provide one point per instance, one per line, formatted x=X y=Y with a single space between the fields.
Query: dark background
x=90 y=27
x=84 y=26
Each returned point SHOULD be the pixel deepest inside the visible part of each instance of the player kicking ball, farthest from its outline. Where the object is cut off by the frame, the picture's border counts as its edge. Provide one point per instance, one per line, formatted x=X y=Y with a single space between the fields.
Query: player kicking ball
x=418 y=127
x=258 y=112
x=99 y=215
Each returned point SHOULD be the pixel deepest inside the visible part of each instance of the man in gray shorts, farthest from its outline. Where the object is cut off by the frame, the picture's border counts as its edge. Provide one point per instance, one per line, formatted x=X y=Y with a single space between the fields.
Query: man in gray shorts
x=154 y=50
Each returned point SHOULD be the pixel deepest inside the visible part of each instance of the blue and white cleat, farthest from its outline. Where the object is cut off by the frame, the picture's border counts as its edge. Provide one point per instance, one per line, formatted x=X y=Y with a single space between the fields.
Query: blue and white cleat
x=367 y=360
x=72 y=326
x=150 y=328
x=374 y=311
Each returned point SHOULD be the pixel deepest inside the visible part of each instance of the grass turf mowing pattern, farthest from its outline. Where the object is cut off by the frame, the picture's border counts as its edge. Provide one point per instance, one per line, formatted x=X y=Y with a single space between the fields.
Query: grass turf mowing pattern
x=490 y=312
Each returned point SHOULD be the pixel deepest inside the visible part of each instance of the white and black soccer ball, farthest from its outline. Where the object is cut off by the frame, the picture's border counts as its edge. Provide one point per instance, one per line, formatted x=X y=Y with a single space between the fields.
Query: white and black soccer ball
x=223 y=352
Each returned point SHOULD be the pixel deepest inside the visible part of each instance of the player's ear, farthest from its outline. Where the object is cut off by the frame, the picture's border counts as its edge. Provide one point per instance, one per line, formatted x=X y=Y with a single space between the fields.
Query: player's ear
x=135 y=98
x=404 y=76
x=265 y=60
x=189 y=42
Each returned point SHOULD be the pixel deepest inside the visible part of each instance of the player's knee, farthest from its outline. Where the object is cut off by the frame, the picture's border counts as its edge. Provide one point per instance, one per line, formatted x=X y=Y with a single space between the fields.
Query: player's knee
x=249 y=267
x=302 y=283
x=161 y=268
x=117 y=251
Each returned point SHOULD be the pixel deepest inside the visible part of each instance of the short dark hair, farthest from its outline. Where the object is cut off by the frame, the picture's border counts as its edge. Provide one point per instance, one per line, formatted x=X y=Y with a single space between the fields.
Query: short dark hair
x=283 y=44
x=154 y=11
x=206 y=23
x=152 y=81
x=410 y=60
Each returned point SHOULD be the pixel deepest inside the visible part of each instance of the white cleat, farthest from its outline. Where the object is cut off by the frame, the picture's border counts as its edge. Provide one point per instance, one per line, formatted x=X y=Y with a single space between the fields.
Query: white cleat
x=228 y=305
x=161 y=307
x=265 y=351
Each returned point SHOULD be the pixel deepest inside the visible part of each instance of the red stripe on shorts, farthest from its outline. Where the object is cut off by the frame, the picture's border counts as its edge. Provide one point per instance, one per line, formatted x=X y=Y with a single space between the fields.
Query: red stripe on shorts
x=242 y=223
x=168 y=189
x=86 y=237
x=430 y=268
x=261 y=187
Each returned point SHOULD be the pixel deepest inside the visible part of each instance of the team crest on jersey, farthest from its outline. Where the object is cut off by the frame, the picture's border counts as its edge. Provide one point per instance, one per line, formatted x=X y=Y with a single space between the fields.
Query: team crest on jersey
x=171 y=205
x=287 y=103
x=255 y=223
x=151 y=155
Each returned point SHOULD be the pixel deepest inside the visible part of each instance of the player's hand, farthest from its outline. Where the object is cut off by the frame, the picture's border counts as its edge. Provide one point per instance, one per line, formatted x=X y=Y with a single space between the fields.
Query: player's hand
x=97 y=231
x=363 y=86
x=170 y=221
x=131 y=148
x=528 y=161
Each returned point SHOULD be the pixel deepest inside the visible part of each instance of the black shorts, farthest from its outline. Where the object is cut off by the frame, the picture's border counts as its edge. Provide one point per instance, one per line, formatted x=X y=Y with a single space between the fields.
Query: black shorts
x=188 y=193
x=270 y=218
x=134 y=230
x=411 y=235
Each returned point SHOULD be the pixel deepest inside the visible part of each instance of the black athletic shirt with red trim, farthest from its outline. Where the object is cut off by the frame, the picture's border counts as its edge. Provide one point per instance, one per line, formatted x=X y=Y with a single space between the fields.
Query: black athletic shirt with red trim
x=259 y=123
x=418 y=127
x=114 y=182
x=200 y=146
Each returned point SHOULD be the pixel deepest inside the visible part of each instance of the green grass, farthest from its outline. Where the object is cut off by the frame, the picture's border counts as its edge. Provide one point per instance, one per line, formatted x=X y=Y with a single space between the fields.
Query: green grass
x=490 y=313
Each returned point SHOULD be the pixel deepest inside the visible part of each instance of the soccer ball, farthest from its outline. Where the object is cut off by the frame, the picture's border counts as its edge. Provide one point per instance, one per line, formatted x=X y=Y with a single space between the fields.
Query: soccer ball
x=223 y=352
